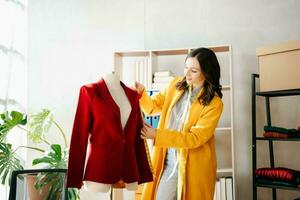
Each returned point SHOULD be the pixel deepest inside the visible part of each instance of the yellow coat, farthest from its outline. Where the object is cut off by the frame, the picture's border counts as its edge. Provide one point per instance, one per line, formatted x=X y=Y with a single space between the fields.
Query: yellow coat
x=195 y=144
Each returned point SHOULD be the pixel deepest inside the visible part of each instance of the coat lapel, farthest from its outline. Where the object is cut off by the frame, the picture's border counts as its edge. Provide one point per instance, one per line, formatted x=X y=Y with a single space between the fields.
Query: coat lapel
x=172 y=103
x=104 y=92
x=131 y=98
x=129 y=94
x=175 y=99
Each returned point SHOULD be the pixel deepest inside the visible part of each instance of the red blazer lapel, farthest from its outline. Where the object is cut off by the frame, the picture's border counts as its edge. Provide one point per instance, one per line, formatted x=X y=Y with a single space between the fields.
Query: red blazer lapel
x=130 y=94
x=104 y=92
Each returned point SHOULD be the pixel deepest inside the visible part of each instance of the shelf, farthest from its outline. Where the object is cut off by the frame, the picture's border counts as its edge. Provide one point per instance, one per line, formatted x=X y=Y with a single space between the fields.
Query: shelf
x=224 y=48
x=168 y=52
x=278 y=139
x=171 y=52
x=133 y=53
x=223 y=129
x=256 y=183
x=226 y=87
x=172 y=59
x=225 y=170
x=279 y=93
x=277 y=186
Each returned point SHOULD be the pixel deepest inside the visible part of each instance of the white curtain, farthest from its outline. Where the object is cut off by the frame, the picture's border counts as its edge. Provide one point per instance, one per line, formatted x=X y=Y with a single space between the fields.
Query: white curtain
x=13 y=66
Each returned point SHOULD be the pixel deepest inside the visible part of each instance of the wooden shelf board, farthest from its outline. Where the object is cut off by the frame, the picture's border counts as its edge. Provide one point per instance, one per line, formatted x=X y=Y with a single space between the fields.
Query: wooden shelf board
x=225 y=170
x=279 y=93
x=223 y=128
x=224 y=48
x=133 y=53
x=171 y=52
x=226 y=87
x=276 y=186
x=278 y=139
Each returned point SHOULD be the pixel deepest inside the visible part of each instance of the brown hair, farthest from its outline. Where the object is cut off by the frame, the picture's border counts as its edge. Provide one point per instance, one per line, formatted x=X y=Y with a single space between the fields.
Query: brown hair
x=210 y=68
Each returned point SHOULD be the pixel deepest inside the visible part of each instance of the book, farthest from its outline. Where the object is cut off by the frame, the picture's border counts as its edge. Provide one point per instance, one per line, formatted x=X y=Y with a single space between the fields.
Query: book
x=149 y=74
x=145 y=72
x=229 y=191
x=142 y=71
x=223 y=188
x=137 y=71
x=218 y=190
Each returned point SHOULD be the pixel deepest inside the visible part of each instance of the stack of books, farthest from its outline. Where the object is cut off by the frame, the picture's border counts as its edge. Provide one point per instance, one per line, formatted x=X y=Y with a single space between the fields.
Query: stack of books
x=143 y=72
x=162 y=79
x=223 y=189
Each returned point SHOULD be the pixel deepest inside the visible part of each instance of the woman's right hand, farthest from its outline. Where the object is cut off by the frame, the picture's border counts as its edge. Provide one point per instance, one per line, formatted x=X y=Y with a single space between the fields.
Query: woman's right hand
x=138 y=87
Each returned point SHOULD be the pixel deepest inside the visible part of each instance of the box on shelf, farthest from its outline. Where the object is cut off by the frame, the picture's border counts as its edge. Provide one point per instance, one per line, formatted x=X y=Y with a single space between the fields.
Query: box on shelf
x=279 y=66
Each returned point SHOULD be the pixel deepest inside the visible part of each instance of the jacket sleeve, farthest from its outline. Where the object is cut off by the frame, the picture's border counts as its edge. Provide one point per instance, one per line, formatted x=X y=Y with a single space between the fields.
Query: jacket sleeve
x=154 y=104
x=142 y=154
x=79 y=140
x=198 y=134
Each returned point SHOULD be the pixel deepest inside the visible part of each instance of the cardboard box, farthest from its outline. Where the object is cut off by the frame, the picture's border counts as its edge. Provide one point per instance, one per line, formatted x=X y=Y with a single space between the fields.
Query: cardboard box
x=279 y=66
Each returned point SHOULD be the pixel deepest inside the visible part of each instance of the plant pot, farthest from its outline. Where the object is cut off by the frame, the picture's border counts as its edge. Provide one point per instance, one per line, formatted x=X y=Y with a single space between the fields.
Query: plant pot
x=35 y=194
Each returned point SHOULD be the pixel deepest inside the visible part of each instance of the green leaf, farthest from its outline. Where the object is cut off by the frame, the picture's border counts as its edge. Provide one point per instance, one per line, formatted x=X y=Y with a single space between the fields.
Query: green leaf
x=43 y=179
x=49 y=196
x=24 y=121
x=8 y=163
x=57 y=149
x=10 y=121
x=56 y=181
x=4 y=175
x=39 y=124
x=55 y=158
x=73 y=194
x=46 y=160
x=57 y=189
x=16 y=116
x=3 y=116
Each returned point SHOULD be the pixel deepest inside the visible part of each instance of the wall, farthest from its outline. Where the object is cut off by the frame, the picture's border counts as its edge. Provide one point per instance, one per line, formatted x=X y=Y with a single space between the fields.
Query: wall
x=13 y=70
x=72 y=42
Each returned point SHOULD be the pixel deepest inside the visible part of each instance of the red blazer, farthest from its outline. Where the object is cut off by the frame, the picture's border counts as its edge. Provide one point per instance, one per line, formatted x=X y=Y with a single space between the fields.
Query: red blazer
x=115 y=153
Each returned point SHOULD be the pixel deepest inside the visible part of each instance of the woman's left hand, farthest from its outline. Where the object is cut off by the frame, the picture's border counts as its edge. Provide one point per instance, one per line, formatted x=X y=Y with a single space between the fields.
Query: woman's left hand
x=148 y=132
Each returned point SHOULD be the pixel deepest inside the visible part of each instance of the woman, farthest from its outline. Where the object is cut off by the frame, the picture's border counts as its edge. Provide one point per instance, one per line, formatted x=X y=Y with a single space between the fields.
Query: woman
x=184 y=157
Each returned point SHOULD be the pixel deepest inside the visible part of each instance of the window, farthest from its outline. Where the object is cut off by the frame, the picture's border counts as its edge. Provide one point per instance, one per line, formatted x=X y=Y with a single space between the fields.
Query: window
x=13 y=65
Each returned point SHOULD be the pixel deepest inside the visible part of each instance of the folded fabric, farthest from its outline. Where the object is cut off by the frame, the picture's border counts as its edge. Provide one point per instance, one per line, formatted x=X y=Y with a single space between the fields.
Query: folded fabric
x=291 y=132
x=163 y=79
x=279 y=174
x=163 y=73
x=274 y=182
x=159 y=86
x=275 y=135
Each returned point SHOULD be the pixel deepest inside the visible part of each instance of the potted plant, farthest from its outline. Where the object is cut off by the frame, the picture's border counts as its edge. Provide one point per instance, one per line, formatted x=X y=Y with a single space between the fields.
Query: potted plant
x=9 y=160
x=54 y=158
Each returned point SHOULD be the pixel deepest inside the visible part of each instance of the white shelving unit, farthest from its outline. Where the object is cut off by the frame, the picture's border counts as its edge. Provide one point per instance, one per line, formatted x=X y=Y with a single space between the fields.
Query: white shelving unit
x=173 y=60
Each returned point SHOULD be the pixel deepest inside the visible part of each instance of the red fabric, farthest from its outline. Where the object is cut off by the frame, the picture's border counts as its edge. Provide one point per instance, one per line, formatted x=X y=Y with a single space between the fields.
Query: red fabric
x=282 y=174
x=275 y=135
x=115 y=154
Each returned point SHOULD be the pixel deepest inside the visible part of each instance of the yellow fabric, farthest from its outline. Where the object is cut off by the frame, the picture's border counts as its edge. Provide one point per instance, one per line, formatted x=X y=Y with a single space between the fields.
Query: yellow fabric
x=196 y=144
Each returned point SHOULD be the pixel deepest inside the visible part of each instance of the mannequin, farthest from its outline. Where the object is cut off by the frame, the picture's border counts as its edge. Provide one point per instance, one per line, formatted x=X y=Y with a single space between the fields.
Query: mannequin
x=116 y=91
x=106 y=150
